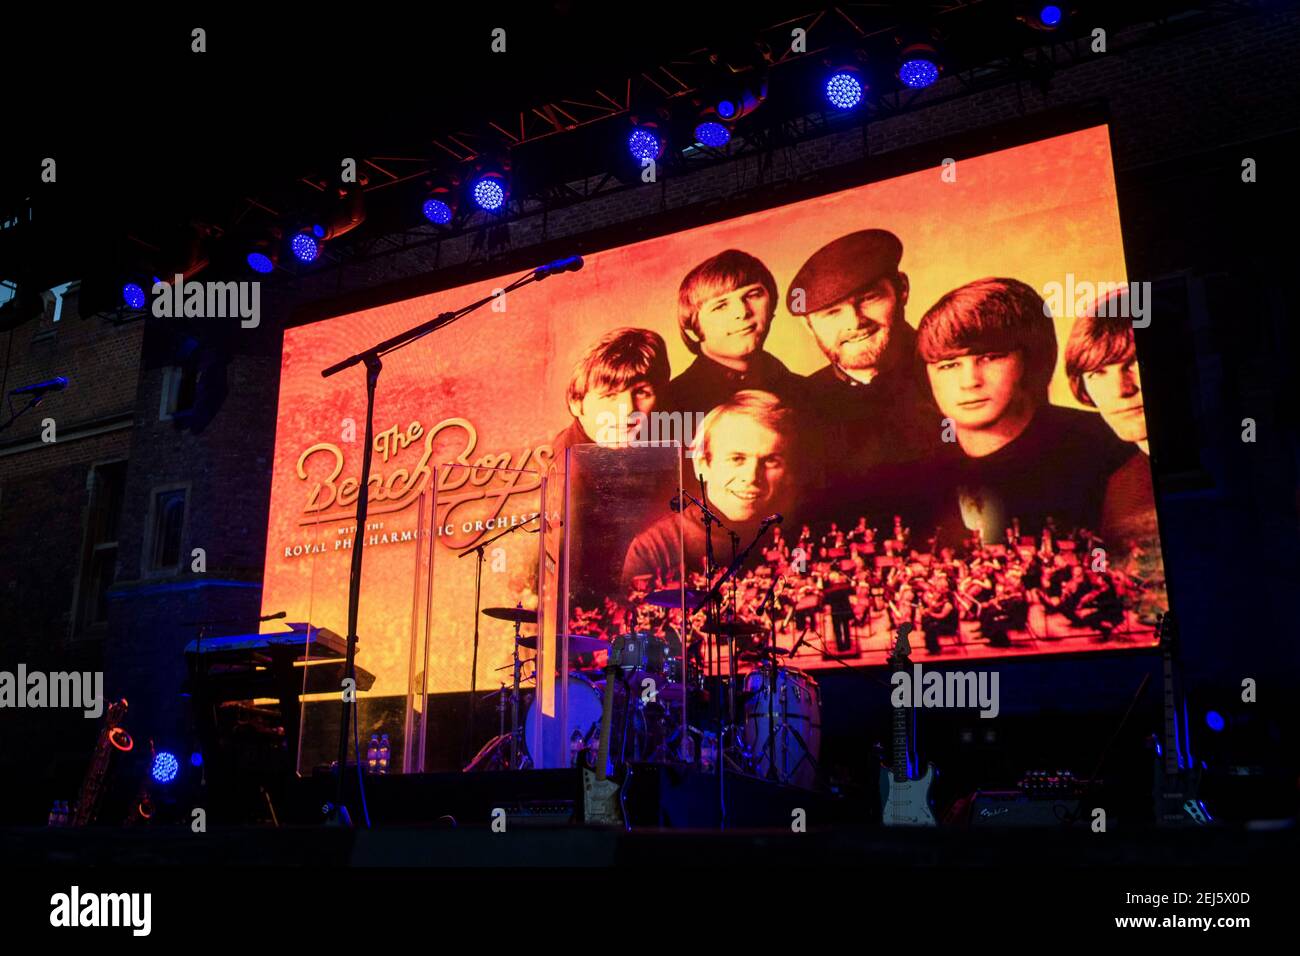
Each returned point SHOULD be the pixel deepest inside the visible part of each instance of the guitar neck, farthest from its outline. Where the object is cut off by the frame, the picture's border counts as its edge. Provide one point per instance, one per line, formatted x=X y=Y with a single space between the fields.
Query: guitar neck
x=1172 y=756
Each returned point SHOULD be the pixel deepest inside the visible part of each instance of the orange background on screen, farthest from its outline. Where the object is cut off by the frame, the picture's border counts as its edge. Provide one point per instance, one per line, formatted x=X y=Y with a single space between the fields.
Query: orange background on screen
x=1034 y=213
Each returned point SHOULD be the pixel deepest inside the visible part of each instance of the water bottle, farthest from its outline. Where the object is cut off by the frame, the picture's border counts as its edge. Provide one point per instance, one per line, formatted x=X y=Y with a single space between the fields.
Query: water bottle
x=708 y=751
x=372 y=754
x=575 y=748
x=384 y=753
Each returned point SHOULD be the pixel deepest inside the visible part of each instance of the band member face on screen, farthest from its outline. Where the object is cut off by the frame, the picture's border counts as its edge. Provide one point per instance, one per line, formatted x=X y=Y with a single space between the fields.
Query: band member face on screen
x=977 y=391
x=734 y=325
x=855 y=332
x=725 y=307
x=1101 y=365
x=744 y=456
x=1116 y=390
x=608 y=417
x=989 y=348
x=624 y=373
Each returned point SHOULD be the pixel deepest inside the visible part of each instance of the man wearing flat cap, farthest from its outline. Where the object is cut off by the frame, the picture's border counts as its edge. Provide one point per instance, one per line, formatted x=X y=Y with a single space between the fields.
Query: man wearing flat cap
x=869 y=403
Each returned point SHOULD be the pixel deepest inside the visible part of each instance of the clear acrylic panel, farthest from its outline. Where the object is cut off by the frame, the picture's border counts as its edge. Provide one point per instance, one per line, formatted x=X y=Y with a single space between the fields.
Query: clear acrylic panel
x=388 y=607
x=622 y=597
x=483 y=630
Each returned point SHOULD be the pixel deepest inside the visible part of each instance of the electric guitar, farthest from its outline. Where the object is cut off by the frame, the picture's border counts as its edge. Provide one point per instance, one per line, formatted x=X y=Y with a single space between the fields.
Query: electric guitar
x=904 y=799
x=602 y=802
x=1177 y=776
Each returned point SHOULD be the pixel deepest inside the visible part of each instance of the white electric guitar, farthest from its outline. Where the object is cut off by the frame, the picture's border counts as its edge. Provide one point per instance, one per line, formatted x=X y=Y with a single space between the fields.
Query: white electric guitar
x=905 y=799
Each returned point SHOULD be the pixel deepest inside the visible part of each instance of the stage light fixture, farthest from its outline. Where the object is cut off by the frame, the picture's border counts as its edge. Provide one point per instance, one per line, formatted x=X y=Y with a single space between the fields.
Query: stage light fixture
x=260 y=262
x=844 y=88
x=918 y=66
x=644 y=142
x=263 y=253
x=133 y=295
x=304 y=247
x=1043 y=17
x=437 y=211
x=165 y=767
x=489 y=191
x=712 y=133
x=1214 y=720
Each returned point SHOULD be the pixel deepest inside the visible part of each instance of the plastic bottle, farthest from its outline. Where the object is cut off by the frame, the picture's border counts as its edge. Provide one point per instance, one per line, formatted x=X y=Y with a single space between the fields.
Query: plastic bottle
x=385 y=752
x=372 y=754
x=575 y=747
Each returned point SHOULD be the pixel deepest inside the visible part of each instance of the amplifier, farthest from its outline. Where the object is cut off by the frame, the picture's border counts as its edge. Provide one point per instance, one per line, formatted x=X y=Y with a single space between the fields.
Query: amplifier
x=1012 y=808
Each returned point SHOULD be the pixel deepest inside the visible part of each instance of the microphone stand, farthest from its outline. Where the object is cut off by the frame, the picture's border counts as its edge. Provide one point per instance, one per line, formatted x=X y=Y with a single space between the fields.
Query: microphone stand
x=473 y=674
x=370 y=358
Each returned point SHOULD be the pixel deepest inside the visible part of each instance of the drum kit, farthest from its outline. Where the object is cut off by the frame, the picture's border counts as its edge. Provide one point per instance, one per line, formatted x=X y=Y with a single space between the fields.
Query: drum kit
x=660 y=697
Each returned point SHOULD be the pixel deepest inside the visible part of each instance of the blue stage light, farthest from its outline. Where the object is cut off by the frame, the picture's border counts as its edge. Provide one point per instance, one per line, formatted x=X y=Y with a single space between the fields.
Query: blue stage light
x=260 y=263
x=165 y=767
x=488 y=192
x=1050 y=15
x=712 y=134
x=643 y=144
x=437 y=212
x=318 y=232
x=305 y=247
x=726 y=109
x=196 y=759
x=133 y=295
x=843 y=90
x=1214 y=720
x=918 y=73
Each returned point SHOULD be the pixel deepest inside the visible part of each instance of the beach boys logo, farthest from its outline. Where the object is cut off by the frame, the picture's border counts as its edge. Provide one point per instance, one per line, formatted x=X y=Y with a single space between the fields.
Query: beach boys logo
x=626 y=428
x=469 y=484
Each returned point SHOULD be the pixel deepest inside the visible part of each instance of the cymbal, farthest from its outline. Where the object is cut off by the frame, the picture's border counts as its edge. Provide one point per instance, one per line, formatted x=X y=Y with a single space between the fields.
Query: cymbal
x=672 y=597
x=735 y=628
x=578 y=644
x=520 y=615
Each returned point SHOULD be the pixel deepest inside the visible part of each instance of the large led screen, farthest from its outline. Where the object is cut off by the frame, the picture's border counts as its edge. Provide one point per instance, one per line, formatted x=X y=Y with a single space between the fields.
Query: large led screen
x=930 y=379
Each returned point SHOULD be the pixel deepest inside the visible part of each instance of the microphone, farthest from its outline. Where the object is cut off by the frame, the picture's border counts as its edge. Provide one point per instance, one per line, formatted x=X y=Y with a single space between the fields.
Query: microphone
x=773 y=519
x=272 y=617
x=569 y=264
x=676 y=503
x=40 y=388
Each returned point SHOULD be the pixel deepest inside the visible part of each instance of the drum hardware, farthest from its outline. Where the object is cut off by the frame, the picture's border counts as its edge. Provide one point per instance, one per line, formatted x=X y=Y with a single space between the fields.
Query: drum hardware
x=516 y=615
x=792 y=682
x=578 y=643
x=674 y=598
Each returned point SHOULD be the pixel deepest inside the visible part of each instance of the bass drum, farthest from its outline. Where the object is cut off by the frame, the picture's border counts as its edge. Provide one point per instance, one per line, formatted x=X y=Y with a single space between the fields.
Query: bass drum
x=585 y=706
x=797 y=717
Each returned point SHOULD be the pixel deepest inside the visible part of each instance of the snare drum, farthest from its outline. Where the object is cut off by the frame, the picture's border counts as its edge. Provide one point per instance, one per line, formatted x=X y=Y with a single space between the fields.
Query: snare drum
x=797 y=719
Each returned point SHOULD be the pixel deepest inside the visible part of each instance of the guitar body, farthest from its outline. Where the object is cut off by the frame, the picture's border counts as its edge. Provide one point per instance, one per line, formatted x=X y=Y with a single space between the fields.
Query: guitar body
x=1176 y=798
x=1177 y=776
x=906 y=803
x=602 y=803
